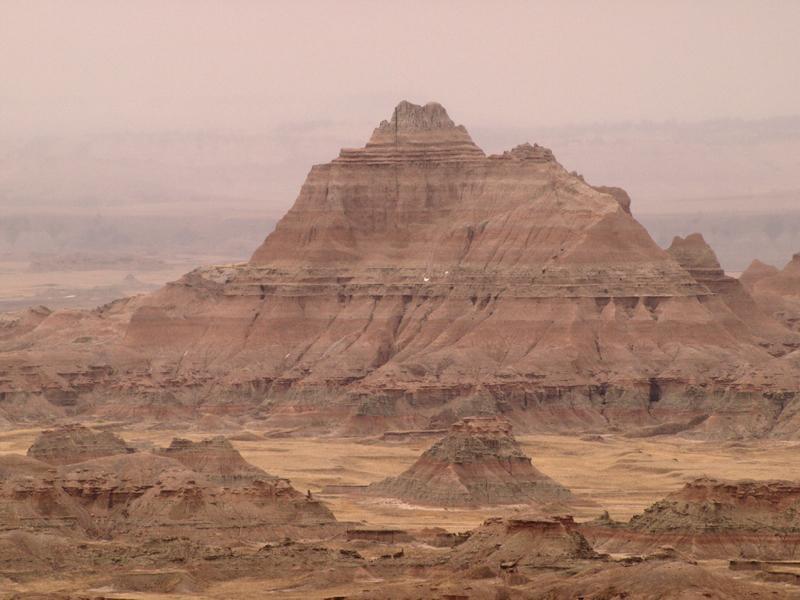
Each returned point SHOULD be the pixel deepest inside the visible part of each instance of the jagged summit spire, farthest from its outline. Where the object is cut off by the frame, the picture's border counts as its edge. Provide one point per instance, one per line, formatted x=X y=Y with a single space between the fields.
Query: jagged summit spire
x=416 y=134
x=408 y=116
x=693 y=252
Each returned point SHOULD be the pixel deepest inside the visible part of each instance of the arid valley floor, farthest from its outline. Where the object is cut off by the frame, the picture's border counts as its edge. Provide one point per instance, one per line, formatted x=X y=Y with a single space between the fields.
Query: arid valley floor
x=613 y=473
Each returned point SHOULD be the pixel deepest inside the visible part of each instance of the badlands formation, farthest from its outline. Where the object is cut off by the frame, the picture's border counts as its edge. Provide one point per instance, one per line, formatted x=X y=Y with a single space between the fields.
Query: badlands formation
x=478 y=463
x=333 y=418
x=709 y=518
x=416 y=281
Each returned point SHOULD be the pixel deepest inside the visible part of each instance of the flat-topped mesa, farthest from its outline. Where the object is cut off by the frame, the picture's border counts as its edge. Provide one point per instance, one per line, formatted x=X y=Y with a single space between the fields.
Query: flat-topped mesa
x=713 y=504
x=415 y=134
x=712 y=518
x=69 y=444
x=478 y=463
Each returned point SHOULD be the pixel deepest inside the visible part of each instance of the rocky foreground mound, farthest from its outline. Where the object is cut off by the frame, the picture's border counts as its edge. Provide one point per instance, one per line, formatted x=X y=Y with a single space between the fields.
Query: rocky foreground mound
x=710 y=518
x=478 y=463
x=145 y=494
x=415 y=281
x=69 y=444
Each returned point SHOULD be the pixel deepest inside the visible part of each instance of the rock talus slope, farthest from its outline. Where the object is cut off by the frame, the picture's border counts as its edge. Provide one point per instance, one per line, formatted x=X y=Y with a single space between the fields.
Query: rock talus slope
x=415 y=281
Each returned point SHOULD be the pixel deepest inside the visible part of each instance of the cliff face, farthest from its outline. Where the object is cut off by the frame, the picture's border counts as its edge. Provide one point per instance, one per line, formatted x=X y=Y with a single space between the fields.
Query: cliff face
x=417 y=280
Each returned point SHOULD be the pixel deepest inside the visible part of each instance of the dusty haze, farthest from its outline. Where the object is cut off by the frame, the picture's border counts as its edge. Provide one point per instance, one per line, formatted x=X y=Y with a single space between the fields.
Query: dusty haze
x=184 y=130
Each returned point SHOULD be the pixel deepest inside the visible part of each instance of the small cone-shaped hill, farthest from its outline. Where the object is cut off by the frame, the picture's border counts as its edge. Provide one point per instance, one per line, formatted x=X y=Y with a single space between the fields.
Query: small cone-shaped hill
x=478 y=463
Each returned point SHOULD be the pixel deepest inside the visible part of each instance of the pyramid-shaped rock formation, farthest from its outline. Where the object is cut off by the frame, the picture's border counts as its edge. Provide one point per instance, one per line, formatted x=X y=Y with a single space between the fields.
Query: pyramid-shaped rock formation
x=478 y=463
x=416 y=280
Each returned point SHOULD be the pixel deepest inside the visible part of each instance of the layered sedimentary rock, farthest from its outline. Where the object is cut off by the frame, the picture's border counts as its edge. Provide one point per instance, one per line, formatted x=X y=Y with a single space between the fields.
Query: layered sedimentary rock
x=478 y=463
x=710 y=518
x=70 y=444
x=146 y=494
x=415 y=281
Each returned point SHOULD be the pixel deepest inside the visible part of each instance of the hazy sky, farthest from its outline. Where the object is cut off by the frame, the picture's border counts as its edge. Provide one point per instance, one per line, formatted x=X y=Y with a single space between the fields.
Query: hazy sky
x=106 y=65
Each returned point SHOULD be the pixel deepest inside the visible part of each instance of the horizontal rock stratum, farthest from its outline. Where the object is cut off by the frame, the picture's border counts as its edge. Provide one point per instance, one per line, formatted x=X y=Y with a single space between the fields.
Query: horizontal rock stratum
x=416 y=281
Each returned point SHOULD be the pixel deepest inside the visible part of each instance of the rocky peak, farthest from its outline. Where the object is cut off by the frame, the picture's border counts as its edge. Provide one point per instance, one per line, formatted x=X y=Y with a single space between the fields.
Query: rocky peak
x=527 y=152
x=694 y=253
x=415 y=134
x=477 y=463
x=413 y=117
